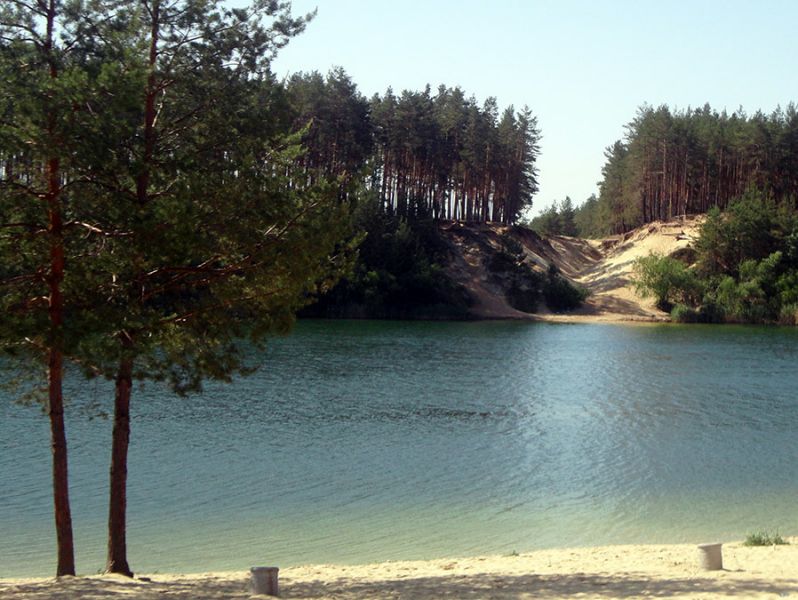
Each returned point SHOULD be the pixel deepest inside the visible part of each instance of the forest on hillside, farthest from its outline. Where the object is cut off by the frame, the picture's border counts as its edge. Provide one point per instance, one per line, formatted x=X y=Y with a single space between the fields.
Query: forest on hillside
x=739 y=170
x=676 y=162
x=405 y=162
x=440 y=155
x=743 y=268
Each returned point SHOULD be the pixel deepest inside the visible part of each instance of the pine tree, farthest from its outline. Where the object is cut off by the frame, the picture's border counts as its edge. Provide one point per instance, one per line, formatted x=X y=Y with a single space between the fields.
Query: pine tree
x=567 y=215
x=677 y=162
x=168 y=224
x=223 y=244
x=42 y=85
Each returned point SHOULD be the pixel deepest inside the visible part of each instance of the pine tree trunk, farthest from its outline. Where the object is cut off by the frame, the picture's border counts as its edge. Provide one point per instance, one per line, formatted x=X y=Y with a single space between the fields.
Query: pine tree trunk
x=117 y=544
x=55 y=366
x=55 y=371
x=117 y=506
x=63 y=513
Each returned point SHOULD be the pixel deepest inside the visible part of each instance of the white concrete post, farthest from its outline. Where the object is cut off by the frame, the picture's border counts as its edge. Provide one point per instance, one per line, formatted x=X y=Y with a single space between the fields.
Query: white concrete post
x=264 y=581
x=710 y=557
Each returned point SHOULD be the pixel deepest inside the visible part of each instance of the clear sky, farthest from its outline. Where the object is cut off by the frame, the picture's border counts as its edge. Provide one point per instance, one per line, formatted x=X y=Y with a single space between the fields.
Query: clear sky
x=583 y=67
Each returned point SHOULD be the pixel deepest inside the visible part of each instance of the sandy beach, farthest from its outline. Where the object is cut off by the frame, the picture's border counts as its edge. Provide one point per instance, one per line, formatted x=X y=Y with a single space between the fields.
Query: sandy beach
x=671 y=571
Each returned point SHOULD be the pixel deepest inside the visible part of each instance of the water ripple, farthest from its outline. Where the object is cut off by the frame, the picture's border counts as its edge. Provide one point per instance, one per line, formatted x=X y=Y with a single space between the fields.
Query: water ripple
x=373 y=441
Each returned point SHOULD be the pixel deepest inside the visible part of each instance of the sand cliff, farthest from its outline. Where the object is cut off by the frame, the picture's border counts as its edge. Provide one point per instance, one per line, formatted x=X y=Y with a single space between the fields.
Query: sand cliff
x=603 y=267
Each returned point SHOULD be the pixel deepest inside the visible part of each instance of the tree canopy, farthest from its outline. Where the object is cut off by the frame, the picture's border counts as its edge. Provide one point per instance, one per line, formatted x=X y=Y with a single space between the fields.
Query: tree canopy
x=150 y=223
x=744 y=268
x=675 y=162
x=438 y=155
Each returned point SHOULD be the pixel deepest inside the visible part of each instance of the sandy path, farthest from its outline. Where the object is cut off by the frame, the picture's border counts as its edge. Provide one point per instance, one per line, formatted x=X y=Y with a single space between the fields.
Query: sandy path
x=606 y=572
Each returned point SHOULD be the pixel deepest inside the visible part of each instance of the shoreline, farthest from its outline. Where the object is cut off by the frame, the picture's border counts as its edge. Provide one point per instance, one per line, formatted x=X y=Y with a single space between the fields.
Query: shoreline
x=624 y=571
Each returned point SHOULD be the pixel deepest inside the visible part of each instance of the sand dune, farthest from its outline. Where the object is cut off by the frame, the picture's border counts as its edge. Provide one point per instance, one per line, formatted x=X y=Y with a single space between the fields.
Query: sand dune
x=605 y=268
x=668 y=571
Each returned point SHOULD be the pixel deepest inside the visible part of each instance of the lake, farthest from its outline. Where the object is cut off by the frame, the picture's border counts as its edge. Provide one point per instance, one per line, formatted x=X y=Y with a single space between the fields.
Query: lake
x=370 y=441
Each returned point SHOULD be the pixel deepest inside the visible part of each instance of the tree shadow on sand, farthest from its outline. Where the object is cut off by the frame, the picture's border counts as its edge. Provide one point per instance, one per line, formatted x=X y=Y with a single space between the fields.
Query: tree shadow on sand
x=492 y=586
x=478 y=585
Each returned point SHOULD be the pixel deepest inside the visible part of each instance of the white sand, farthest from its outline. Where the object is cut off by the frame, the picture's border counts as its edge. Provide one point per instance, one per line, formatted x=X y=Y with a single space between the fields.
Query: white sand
x=607 y=572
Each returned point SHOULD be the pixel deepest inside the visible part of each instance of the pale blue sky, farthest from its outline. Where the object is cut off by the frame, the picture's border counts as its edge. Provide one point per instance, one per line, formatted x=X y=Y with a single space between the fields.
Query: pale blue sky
x=582 y=67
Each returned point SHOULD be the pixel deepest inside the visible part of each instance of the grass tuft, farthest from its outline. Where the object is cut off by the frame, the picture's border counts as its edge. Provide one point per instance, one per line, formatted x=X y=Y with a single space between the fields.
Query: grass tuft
x=764 y=538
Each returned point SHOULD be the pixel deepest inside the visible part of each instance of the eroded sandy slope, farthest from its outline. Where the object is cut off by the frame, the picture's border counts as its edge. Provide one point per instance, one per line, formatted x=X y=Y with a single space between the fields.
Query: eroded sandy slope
x=604 y=267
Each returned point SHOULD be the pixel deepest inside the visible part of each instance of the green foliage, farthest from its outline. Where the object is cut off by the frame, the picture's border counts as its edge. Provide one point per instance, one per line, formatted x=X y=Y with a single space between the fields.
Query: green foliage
x=546 y=223
x=558 y=219
x=524 y=297
x=587 y=218
x=561 y=295
x=751 y=229
x=523 y=284
x=744 y=269
x=787 y=287
x=684 y=314
x=764 y=538
x=399 y=272
x=788 y=314
x=747 y=256
x=511 y=246
x=687 y=255
x=185 y=223
x=339 y=133
x=567 y=214
x=672 y=163
x=509 y=258
x=750 y=298
x=527 y=287
x=438 y=155
x=152 y=219
x=666 y=279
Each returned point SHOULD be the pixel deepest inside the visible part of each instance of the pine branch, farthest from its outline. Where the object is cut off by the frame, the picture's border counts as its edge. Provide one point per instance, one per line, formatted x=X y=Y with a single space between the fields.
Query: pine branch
x=24 y=225
x=222 y=305
x=41 y=10
x=21 y=279
x=94 y=229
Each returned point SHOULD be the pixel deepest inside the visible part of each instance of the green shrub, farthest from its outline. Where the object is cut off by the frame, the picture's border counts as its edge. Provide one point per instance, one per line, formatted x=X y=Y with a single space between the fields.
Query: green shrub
x=509 y=258
x=686 y=255
x=666 y=279
x=502 y=262
x=710 y=312
x=511 y=246
x=748 y=229
x=523 y=298
x=745 y=267
x=788 y=315
x=765 y=291
x=560 y=294
x=684 y=314
x=787 y=288
x=764 y=538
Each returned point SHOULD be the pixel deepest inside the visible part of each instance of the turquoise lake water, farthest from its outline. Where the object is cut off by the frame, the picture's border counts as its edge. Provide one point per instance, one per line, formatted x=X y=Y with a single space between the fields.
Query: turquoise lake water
x=370 y=441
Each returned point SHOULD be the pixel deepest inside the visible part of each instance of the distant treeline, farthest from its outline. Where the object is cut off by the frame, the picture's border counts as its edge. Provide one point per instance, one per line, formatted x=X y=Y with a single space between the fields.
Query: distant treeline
x=676 y=162
x=438 y=155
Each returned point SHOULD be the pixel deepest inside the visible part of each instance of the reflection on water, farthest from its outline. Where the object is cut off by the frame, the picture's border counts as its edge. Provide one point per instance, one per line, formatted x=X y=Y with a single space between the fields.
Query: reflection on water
x=363 y=441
